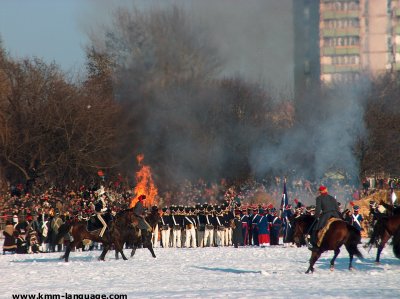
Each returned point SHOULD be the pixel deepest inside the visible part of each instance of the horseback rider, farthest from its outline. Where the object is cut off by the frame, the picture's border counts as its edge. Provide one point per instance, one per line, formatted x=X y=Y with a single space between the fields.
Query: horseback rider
x=139 y=211
x=100 y=208
x=326 y=207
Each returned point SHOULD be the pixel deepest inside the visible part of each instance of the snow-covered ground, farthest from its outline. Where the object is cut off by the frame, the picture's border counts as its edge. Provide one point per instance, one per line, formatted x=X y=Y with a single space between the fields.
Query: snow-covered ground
x=226 y=272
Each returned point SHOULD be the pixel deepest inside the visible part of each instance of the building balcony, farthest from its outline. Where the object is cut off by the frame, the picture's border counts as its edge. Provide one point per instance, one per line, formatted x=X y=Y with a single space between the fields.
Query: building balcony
x=396 y=66
x=337 y=68
x=348 y=14
x=328 y=32
x=397 y=29
x=332 y=51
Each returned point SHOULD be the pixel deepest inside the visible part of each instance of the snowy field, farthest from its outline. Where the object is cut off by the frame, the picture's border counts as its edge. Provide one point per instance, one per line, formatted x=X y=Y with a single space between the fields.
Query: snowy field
x=247 y=272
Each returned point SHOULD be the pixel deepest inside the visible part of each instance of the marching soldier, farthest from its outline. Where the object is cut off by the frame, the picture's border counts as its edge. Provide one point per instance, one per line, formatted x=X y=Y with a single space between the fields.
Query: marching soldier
x=190 y=229
x=220 y=222
x=165 y=224
x=201 y=220
x=228 y=218
x=176 y=221
x=209 y=227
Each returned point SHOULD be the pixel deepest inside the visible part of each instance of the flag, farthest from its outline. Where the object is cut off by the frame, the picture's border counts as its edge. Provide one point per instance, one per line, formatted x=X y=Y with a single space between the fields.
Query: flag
x=394 y=197
x=285 y=199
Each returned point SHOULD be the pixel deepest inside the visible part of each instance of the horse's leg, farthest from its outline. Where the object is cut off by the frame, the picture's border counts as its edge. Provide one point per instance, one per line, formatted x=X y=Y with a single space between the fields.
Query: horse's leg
x=337 y=251
x=313 y=259
x=134 y=246
x=69 y=247
x=381 y=245
x=119 y=248
x=123 y=255
x=106 y=247
x=148 y=244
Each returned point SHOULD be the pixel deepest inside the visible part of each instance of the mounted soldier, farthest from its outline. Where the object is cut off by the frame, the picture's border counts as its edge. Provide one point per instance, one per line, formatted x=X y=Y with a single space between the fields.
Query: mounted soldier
x=100 y=208
x=139 y=211
x=326 y=208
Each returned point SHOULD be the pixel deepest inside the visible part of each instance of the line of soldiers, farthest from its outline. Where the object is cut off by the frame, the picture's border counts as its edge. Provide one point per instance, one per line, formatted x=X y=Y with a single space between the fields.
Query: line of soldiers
x=220 y=225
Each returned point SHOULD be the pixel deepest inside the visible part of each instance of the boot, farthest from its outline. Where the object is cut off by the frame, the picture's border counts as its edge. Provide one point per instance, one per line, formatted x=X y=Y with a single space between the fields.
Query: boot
x=312 y=244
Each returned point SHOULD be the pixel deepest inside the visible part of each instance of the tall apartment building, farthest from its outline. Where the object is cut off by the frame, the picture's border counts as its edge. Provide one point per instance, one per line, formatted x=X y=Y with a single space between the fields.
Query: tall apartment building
x=337 y=40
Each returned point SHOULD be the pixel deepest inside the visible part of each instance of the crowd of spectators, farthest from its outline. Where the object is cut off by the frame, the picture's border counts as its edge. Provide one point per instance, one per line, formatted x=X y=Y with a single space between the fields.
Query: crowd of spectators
x=17 y=202
x=41 y=209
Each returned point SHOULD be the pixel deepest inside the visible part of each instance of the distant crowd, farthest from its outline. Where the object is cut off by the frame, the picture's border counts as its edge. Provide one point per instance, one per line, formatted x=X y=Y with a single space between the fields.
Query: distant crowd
x=34 y=217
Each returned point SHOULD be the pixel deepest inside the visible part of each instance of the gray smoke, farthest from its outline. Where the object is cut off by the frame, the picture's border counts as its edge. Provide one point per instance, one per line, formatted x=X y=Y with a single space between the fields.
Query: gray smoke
x=255 y=39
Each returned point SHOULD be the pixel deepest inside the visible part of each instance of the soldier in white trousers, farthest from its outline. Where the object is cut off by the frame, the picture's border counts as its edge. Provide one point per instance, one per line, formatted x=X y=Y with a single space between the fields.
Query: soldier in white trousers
x=176 y=221
x=190 y=229
x=165 y=225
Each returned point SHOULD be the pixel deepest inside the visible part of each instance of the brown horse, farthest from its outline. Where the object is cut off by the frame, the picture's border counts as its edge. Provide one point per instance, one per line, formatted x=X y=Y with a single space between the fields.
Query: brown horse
x=339 y=233
x=125 y=222
x=384 y=228
x=136 y=238
x=153 y=219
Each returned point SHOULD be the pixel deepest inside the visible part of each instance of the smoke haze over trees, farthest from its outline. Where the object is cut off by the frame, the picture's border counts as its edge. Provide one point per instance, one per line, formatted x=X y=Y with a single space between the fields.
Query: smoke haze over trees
x=157 y=84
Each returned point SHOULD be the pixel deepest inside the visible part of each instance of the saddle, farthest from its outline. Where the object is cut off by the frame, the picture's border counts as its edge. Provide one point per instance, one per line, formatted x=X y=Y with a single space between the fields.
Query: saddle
x=322 y=232
x=94 y=224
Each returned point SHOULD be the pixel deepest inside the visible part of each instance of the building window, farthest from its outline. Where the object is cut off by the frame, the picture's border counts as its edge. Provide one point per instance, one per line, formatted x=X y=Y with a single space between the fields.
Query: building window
x=344 y=23
x=345 y=59
x=341 y=41
x=345 y=77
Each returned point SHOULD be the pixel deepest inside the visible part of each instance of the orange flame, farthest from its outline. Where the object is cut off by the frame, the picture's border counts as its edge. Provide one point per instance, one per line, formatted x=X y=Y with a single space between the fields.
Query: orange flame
x=144 y=184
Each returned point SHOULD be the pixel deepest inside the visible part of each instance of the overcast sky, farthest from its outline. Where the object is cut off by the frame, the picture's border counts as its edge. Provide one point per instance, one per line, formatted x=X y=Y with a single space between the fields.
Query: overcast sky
x=255 y=36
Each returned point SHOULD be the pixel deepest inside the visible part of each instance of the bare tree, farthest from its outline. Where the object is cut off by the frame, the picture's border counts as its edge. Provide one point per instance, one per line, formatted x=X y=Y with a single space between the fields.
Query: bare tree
x=50 y=127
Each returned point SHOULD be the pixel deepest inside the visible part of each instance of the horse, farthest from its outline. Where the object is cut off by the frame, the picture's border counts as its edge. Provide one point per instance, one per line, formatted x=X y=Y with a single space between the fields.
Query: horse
x=124 y=223
x=136 y=238
x=339 y=233
x=396 y=243
x=384 y=228
x=153 y=219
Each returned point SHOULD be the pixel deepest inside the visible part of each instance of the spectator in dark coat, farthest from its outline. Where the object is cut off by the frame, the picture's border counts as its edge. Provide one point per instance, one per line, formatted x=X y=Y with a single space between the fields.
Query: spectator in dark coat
x=21 y=243
x=9 y=238
x=237 y=232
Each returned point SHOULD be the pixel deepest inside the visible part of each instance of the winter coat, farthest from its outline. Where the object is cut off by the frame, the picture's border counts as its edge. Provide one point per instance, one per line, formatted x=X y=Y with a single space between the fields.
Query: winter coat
x=326 y=207
x=263 y=225
x=139 y=209
x=9 y=238
x=237 y=234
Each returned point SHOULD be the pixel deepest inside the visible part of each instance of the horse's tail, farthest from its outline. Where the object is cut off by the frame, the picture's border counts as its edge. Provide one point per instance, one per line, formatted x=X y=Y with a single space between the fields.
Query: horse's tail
x=62 y=231
x=396 y=243
x=353 y=240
